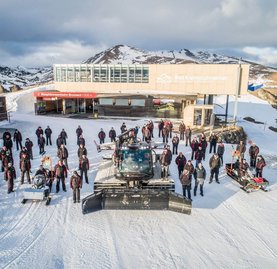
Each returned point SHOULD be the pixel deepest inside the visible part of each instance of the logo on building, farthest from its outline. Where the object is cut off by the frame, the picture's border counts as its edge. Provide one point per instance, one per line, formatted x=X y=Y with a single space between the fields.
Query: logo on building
x=164 y=78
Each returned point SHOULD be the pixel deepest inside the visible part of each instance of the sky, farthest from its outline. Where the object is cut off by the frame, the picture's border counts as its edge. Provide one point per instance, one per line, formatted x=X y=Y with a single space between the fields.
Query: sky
x=43 y=32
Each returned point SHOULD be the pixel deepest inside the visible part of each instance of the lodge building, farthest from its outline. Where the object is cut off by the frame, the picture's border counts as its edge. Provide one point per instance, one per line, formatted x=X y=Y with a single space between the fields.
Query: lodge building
x=142 y=90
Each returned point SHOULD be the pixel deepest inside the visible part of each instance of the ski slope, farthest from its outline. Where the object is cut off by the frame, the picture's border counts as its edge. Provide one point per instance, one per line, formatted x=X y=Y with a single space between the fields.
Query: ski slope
x=228 y=228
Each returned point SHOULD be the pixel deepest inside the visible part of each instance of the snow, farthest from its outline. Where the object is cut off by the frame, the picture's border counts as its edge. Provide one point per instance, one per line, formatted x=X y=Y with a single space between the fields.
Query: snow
x=228 y=228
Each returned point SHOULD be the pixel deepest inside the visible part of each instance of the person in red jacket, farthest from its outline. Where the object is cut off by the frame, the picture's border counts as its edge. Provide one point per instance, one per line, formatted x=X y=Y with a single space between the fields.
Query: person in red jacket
x=25 y=167
x=76 y=185
x=199 y=155
x=260 y=166
x=84 y=167
x=194 y=147
x=60 y=174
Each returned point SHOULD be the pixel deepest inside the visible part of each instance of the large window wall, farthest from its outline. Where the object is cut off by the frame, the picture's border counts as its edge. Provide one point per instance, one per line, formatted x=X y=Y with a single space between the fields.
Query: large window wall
x=101 y=73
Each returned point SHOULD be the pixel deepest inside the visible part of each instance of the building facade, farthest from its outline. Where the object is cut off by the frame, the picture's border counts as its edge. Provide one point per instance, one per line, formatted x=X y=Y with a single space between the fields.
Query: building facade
x=158 y=90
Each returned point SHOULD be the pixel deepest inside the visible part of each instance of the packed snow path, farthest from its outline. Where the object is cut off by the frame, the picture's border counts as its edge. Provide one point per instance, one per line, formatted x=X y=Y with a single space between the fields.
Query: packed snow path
x=228 y=228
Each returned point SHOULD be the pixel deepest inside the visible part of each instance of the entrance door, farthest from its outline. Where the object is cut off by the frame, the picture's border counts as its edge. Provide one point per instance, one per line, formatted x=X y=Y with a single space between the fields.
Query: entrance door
x=81 y=105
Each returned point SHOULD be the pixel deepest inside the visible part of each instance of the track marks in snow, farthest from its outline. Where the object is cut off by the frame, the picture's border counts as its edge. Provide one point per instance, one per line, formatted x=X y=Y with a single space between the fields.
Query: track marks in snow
x=24 y=235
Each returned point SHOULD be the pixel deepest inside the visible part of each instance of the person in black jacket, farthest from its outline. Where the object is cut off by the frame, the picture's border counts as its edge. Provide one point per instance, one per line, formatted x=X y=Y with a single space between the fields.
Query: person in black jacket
x=101 y=136
x=200 y=176
x=160 y=127
x=6 y=135
x=181 y=162
x=175 y=143
x=17 y=137
x=62 y=154
x=11 y=175
x=123 y=128
x=29 y=147
x=220 y=152
x=25 y=167
x=39 y=132
x=81 y=140
x=48 y=133
x=82 y=151
x=213 y=142
x=79 y=132
x=8 y=143
x=214 y=166
x=59 y=141
x=203 y=143
x=84 y=167
x=76 y=185
x=60 y=174
x=112 y=134
x=63 y=135
x=41 y=144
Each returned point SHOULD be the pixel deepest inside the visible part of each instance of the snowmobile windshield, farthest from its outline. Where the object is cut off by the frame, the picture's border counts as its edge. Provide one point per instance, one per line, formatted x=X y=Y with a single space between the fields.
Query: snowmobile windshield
x=136 y=161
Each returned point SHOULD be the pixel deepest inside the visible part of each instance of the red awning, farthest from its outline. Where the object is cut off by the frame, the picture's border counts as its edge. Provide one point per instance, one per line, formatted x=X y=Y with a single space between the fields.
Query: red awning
x=65 y=95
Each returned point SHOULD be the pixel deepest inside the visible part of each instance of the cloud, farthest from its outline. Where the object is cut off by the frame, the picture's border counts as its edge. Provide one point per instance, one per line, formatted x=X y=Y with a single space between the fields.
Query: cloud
x=150 y=25
x=266 y=56
x=50 y=53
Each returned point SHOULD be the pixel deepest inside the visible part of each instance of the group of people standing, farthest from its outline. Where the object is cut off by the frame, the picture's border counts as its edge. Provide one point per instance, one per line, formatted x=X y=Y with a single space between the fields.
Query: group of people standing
x=186 y=169
x=199 y=147
x=60 y=171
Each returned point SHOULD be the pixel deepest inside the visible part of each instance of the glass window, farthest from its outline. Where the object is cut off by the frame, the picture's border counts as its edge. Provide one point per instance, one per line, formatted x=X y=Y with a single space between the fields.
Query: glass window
x=96 y=74
x=145 y=75
x=117 y=73
x=77 y=74
x=131 y=74
x=137 y=102
x=124 y=74
x=138 y=74
x=111 y=74
x=58 y=74
x=103 y=74
x=63 y=74
x=84 y=74
x=136 y=161
x=106 y=101
x=70 y=74
x=121 y=102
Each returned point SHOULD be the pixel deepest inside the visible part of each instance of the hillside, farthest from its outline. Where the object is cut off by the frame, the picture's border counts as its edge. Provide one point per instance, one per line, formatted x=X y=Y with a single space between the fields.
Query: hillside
x=24 y=77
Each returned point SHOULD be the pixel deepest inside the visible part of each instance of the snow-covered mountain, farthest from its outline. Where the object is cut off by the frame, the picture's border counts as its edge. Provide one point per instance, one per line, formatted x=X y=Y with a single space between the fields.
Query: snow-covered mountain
x=122 y=54
x=24 y=77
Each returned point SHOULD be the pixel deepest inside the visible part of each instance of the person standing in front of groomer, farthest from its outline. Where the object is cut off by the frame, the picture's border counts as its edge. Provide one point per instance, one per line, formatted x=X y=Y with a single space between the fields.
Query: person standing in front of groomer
x=199 y=176
x=76 y=185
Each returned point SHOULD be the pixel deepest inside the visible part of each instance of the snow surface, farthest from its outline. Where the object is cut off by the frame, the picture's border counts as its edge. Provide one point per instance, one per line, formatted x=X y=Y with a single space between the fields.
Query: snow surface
x=228 y=228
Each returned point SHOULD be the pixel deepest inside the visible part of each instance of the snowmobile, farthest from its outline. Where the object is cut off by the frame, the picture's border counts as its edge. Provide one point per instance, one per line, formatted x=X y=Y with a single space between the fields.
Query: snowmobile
x=132 y=179
x=40 y=188
x=248 y=182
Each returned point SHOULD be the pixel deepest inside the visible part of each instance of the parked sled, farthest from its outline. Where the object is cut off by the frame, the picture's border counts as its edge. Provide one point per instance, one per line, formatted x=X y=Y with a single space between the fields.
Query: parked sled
x=40 y=189
x=248 y=182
